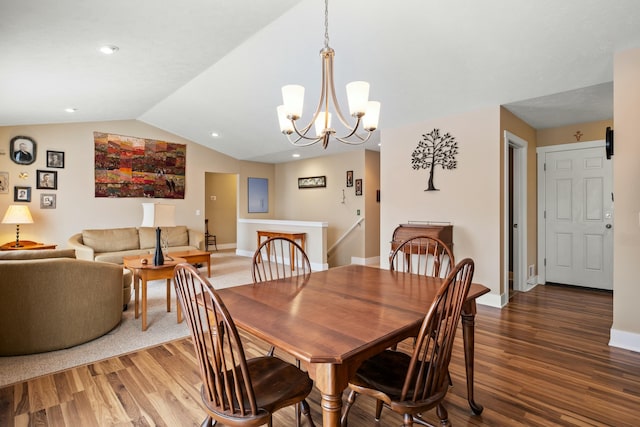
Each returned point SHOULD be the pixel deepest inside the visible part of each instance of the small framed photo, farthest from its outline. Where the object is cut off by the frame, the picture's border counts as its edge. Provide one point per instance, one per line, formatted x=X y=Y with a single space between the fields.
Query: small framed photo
x=55 y=159
x=21 y=194
x=312 y=182
x=47 y=201
x=358 y=187
x=23 y=150
x=349 y=178
x=4 y=182
x=47 y=179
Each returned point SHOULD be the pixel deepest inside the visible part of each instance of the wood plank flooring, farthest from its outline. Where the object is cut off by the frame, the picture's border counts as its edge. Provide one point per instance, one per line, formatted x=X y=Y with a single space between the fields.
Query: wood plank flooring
x=541 y=361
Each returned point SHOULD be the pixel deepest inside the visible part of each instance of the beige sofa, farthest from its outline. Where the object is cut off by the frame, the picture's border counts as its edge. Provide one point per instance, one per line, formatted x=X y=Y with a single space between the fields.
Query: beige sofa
x=112 y=244
x=49 y=300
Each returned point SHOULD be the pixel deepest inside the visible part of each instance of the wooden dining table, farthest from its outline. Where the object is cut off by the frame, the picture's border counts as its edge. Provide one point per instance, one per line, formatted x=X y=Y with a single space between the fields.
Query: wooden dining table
x=340 y=317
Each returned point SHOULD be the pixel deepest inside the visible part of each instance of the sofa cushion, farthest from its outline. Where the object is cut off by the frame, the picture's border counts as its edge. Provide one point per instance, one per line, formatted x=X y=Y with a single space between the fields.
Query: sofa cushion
x=38 y=254
x=178 y=236
x=111 y=239
x=116 y=257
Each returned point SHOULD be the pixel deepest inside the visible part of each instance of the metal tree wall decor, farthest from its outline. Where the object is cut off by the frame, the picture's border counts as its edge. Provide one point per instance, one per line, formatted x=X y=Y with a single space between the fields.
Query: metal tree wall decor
x=435 y=149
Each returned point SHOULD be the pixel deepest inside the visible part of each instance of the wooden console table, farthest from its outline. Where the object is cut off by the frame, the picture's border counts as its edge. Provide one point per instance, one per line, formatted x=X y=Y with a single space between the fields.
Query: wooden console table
x=302 y=237
x=25 y=245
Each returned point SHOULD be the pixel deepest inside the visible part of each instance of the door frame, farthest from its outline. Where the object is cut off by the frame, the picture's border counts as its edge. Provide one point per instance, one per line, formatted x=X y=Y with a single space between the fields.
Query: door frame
x=520 y=147
x=542 y=235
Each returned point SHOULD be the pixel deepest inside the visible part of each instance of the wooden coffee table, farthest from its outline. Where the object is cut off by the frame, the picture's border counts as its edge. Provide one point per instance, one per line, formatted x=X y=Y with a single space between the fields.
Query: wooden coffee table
x=26 y=245
x=143 y=273
x=194 y=257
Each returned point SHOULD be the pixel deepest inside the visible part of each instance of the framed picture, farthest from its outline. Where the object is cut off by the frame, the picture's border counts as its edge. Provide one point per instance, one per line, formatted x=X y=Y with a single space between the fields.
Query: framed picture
x=258 y=190
x=312 y=182
x=349 y=178
x=4 y=182
x=55 y=159
x=47 y=179
x=47 y=201
x=23 y=150
x=358 y=187
x=21 y=194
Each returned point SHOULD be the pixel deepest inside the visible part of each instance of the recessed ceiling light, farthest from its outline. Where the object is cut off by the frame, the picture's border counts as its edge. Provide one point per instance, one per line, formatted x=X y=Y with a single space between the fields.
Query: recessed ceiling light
x=70 y=110
x=295 y=155
x=109 y=49
x=215 y=134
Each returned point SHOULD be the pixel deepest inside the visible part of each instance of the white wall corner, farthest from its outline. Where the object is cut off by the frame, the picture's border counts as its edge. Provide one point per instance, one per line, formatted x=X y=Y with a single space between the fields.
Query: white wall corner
x=365 y=261
x=492 y=300
x=625 y=340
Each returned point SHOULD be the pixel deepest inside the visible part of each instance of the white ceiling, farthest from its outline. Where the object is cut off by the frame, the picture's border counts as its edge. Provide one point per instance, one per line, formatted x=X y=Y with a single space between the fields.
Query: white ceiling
x=199 y=66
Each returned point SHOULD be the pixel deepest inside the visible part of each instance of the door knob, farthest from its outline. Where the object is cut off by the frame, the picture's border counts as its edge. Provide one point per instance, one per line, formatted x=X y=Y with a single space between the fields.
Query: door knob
x=608 y=225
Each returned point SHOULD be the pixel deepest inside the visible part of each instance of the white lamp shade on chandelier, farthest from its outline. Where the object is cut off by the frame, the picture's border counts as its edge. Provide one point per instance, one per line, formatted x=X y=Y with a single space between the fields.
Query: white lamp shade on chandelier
x=364 y=111
x=158 y=215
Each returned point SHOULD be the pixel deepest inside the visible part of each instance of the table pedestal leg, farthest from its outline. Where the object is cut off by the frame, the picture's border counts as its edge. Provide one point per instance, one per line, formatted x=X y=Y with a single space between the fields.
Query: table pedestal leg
x=331 y=380
x=136 y=292
x=468 y=331
x=144 y=304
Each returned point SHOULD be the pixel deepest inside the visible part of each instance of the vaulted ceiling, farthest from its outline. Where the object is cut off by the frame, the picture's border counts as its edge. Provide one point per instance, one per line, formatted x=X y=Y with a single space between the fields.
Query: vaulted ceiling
x=203 y=66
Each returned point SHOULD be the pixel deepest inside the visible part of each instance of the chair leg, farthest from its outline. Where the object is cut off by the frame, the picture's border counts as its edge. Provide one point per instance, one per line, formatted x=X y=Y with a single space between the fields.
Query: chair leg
x=208 y=422
x=379 y=405
x=351 y=399
x=443 y=415
x=306 y=411
x=407 y=420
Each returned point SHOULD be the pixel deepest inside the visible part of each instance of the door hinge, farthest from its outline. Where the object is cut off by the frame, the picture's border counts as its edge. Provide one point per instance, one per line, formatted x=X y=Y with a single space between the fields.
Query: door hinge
x=544 y=166
x=545 y=215
x=545 y=262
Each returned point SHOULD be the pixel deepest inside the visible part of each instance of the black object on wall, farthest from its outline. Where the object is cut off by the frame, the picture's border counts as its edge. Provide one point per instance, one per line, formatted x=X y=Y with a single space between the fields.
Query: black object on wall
x=608 y=145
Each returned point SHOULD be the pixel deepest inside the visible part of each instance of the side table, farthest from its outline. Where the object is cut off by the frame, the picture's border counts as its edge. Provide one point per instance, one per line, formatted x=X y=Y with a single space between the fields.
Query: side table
x=25 y=245
x=142 y=273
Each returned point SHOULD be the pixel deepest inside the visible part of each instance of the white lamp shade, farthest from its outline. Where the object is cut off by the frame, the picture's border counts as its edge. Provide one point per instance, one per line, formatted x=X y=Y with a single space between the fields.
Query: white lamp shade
x=158 y=215
x=285 y=123
x=293 y=97
x=323 y=121
x=17 y=214
x=370 y=119
x=358 y=96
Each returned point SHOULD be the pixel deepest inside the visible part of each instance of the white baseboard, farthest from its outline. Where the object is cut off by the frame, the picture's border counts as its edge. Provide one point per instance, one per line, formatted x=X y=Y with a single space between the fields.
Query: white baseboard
x=223 y=246
x=624 y=339
x=365 y=261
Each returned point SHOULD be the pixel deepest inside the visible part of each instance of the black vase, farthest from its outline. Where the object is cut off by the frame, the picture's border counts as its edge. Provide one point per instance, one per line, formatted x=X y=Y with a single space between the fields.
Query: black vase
x=158 y=258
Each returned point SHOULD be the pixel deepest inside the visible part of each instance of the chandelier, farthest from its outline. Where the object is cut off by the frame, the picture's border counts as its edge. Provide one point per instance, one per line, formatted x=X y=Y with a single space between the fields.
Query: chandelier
x=365 y=112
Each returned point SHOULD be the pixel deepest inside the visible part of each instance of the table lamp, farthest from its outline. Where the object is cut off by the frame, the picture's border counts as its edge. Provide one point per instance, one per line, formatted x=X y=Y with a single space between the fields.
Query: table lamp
x=17 y=214
x=158 y=215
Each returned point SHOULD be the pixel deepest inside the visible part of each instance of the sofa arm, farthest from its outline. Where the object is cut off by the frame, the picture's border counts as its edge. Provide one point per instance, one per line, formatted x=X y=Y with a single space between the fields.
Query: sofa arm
x=82 y=251
x=196 y=238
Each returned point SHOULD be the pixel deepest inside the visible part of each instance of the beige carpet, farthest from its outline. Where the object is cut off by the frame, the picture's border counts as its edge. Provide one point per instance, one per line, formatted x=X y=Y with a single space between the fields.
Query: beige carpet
x=227 y=270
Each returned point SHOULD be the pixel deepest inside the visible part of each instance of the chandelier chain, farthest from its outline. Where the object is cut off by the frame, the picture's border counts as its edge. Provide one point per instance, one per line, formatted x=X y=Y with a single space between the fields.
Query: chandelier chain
x=326 y=23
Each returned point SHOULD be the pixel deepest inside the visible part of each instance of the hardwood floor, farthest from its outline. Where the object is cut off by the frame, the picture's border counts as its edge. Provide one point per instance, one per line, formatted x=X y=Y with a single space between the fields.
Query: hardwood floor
x=543 y=360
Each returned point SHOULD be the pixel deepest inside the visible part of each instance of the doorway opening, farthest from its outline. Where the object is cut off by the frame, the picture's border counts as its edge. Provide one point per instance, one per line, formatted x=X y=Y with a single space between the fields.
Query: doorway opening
x=515 y=214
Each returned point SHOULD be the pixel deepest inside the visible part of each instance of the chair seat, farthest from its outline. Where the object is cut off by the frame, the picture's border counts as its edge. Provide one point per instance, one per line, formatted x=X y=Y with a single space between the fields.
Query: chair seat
x=276 y=384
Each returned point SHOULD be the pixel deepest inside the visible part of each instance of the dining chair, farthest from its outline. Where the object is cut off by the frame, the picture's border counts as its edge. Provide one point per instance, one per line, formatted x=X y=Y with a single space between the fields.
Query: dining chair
x=235 y=390
x=209 y=239
x=424 y=255
x=279 y=258
x=415 y=383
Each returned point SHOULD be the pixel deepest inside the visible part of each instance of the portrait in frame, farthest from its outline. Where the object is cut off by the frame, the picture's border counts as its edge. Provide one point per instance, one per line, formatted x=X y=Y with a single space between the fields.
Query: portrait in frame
x=47 y=180
x=55 y=159
x=312 y=182
x=23 y=150
x=4 y=182
x=47 y=201
x=349 y=178
x=21 y=194
x=358 y=187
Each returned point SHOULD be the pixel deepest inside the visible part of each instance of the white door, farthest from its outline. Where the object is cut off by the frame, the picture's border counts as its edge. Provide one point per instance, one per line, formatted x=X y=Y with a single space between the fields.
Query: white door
x=579 y=218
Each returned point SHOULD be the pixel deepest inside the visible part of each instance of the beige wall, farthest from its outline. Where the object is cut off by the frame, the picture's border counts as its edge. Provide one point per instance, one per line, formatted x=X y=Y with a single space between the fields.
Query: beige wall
x=592 y=131
x=327 y=204
x=221 y=206
x=372 y=207
x=468 y=196
x=77 y=208
x=626 y=175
